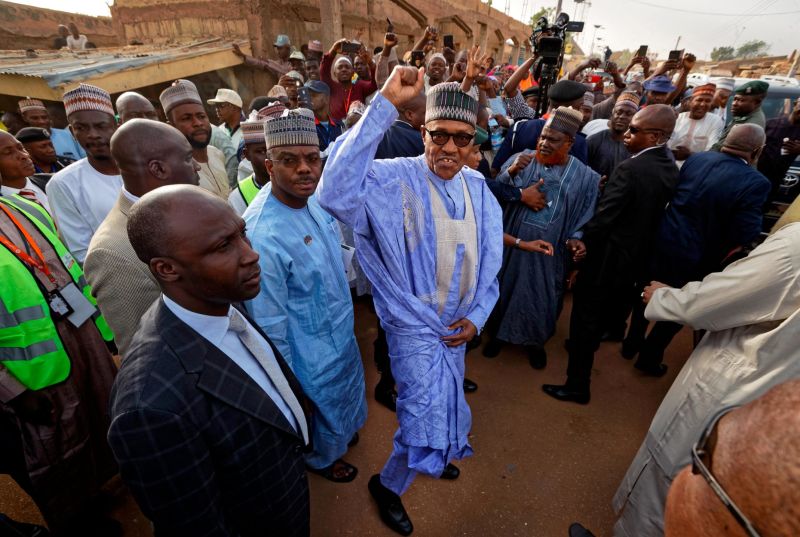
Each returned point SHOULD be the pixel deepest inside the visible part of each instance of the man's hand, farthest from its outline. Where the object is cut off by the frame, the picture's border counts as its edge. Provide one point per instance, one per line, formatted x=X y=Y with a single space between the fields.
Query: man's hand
x=501 y=120
x=33 y=407
x=389 y=41
x=337 y=47
x=612 y=69
x=365 y=55
x=238 y=51
x=577 y=249
x=404 y=84
x=688 y=62
x=647 y=295
x=532 y=198
x=792 y=147
x=681 y=152
x=537 y=247
x=634 y=61
x=458 y=73
x=475 y=62
x=467 y=331
x=520 y=163
x=449 y=55
x=665 y=67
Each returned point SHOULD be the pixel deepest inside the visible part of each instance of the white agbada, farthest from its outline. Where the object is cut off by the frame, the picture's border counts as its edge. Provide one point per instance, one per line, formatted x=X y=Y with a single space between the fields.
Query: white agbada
x=752 y=313
x=696 y=134
x=81 y=198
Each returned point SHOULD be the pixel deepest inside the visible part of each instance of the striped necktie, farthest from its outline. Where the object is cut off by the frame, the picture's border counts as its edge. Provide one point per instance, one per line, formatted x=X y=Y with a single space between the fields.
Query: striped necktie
x=30 y=195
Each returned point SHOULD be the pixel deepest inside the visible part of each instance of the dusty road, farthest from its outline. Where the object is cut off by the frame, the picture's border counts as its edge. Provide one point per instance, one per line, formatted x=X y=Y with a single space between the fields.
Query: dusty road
x=538 y=466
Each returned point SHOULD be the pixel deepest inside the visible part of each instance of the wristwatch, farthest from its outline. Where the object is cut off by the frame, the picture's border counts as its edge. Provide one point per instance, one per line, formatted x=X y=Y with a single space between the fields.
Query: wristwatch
x=516 y=242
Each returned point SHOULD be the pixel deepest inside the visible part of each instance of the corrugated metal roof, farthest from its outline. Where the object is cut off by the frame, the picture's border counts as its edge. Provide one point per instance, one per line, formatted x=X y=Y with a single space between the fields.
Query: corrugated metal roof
x=62 y=67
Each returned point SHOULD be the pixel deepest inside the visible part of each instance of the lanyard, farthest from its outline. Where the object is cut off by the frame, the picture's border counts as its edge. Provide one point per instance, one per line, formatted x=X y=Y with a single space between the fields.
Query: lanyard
x=23 y=256
x=347 y=100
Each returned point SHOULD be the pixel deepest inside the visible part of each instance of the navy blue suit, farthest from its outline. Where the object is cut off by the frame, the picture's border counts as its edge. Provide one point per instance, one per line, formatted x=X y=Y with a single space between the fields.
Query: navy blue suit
x=328 y=133
x=401 y=140
x=526 y=136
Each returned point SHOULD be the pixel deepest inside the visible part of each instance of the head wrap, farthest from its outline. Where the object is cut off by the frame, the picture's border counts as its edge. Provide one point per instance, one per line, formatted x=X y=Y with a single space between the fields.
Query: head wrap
x=588 y=99
x=26 y=105
x=271 y=111
x=277 y=91
x=253 y=131
x=226 y=96
x=754 y=87
x=725 y=83
x=32 y=134
x=628 y=98
x=180 y=92
x=294 y=127
x=447 y=101
x=86 y=97
x=705 y=89
x=434 y=56
x=343 y=59
x=659 y=84
x=566 y=120
x=566 y=91
x=480 y=136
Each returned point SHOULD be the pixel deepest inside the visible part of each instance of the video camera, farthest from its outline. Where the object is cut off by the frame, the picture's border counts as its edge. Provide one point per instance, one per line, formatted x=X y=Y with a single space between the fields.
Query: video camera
x=547 y=42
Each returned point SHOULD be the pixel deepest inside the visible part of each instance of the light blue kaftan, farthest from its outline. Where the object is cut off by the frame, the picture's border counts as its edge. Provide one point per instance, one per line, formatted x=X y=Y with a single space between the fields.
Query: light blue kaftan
x=305 y=308
x=388 y=205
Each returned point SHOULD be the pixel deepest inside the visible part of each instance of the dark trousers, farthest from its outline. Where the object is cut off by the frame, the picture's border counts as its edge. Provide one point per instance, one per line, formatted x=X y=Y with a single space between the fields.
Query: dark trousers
x=382 y=361
x=590 y=307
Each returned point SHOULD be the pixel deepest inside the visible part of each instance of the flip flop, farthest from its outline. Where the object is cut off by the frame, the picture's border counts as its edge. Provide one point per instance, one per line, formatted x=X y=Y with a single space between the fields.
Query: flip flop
x=329 y=472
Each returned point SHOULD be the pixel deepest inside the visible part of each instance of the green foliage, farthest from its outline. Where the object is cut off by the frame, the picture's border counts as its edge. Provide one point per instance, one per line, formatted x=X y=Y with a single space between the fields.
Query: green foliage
x=549 y=12
x=753 y=49
x=722 y=53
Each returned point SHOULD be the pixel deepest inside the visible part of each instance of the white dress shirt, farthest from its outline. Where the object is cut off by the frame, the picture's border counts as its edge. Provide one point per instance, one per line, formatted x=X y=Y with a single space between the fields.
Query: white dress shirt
x=29 y=185
x=81 y=198
x=216 y=330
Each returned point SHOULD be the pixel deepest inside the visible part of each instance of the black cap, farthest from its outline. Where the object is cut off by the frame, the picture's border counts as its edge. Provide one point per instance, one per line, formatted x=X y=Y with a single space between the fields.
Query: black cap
x=566 y=91
x=534 y=90
x=32 y=134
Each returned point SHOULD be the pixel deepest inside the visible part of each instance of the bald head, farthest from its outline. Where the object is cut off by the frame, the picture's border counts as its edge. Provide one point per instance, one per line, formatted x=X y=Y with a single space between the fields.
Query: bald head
x=658 y=116
x=745 y=141
x=131 y=105
x=413 y=111
x=756 y=459
x=150 y=154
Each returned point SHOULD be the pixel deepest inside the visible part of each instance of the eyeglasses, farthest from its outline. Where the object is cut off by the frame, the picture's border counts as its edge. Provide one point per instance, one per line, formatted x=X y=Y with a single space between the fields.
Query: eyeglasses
x=461 y=139
x=702 y=449
x=637 y=130
x=294 y=162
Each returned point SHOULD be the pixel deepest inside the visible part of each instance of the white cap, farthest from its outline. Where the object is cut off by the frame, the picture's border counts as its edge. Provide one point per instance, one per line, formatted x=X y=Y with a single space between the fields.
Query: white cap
x=226 y=96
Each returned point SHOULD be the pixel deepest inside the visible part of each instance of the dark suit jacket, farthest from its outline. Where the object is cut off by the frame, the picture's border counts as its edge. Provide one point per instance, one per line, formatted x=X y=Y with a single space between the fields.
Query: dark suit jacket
x=620 y=236
x=400 y=140
x=203 y=449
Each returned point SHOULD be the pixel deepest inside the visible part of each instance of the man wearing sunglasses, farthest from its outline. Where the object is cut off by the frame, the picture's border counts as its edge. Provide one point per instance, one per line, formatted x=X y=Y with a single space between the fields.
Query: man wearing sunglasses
x=751 y=311
x=619 y=241
x=744 y=472
x=429 y=236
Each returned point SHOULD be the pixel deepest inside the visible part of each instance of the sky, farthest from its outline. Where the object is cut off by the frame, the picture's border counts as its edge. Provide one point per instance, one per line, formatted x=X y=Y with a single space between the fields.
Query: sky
x=630 y=23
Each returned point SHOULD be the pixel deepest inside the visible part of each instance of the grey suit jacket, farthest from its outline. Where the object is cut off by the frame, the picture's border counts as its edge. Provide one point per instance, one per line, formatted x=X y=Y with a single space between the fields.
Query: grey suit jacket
x=123 y=285
x=202 y=447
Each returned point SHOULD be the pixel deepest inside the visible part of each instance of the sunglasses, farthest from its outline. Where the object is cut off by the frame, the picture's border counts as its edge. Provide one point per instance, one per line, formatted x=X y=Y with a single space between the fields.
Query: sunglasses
x=461 y=139
x=637 y=130
x=701 y=461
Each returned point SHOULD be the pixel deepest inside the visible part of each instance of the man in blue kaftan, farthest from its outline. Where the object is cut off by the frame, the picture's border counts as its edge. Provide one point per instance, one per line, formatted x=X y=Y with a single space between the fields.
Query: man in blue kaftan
x=532 y=284
x=428 y=234
x=304 y=304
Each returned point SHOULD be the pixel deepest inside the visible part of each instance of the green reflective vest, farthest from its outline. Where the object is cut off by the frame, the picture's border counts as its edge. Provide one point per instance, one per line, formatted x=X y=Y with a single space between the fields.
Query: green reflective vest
x=30 y=347
x=248 y=189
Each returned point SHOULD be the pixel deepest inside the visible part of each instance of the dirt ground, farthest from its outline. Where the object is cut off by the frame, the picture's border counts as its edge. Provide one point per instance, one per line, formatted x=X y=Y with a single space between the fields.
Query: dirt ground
x=539 y=464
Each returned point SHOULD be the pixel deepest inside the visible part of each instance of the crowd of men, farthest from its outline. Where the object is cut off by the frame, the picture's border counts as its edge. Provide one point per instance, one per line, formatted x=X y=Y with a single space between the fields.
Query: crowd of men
x=219 y=263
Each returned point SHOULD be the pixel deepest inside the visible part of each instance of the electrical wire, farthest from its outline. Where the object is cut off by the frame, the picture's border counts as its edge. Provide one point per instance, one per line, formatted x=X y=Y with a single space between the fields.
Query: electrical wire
x=714 y=14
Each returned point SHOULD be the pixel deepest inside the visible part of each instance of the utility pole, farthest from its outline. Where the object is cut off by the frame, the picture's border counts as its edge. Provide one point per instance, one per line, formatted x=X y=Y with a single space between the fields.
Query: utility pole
x=677 y=43
x=795 y=65
x=558 y=8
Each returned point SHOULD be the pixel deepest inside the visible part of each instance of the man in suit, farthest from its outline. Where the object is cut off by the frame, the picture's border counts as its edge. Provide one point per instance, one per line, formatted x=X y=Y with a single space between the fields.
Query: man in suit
x=123 y=285
x=207 y=423
x=618 y=242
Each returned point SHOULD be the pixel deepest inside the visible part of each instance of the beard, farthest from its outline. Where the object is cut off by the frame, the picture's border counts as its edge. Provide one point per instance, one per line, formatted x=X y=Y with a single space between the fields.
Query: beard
x=556 y=158
x=199 y=144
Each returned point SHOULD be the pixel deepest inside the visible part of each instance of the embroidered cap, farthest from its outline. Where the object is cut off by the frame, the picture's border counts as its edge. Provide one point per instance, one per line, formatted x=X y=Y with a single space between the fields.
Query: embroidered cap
x=566 y=120
x=272 y=110
x=725 y=83
x=294 y=127
x=628 y=98
x=180 y=92
x=447 y=101
x=253 y=131
x=86 y=97
x=588 y=100
x=315 y=45
x=705 y=89
x=26 y=105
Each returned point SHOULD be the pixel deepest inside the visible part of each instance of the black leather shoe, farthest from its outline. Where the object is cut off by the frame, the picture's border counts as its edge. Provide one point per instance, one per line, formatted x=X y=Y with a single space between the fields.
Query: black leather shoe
x=492 y=349
x=651 y=370
x=469 y=386
x=563 y=392
x=577 y=530
x=450 y=472
x=630 y=349
x=387 y=397
x=536 y=356
x=391 y=509
x=613 y=335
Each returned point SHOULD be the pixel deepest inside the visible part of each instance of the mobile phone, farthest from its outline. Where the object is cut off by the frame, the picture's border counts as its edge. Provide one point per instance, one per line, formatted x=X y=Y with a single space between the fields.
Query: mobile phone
x=675 y=55
x=389 y=26
x=417 y=58
x=303 y=97
x=448 y=41
x=642 y=52
x=351 y=48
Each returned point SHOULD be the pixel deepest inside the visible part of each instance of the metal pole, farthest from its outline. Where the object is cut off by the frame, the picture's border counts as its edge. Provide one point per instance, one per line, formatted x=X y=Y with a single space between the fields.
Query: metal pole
x=558 y=8
x=677 y=43
x=793 y=70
